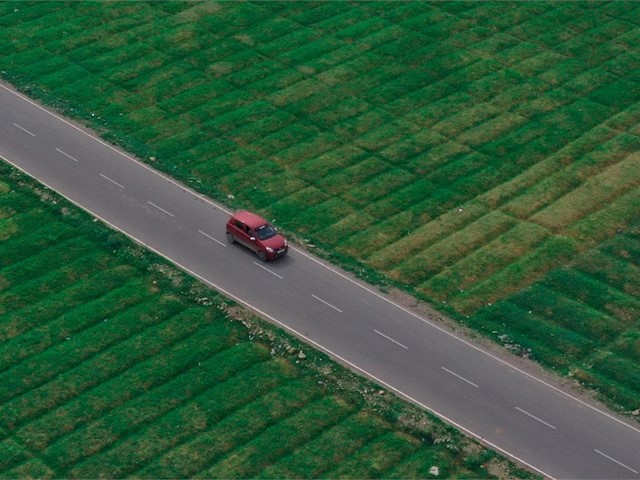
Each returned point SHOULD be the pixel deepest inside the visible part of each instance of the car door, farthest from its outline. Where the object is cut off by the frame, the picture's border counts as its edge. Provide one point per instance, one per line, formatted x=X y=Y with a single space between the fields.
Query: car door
x=241 y=234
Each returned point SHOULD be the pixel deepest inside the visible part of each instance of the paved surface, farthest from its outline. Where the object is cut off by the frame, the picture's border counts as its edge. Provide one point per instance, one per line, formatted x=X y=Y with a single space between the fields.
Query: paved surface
x=525 y=418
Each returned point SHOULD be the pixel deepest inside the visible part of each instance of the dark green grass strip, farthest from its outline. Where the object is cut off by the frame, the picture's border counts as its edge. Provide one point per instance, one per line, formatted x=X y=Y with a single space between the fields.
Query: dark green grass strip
x=574 y=315
x=234 y=430
x=29 y=382
x=550 y=343
x=248 y=460
x=28 y=229
x=42 y=261
x=38 y=237
x=331 y=447
x=191 y=379
x=55 y=279
x=143 y=365
x=376 y=457
x=184 y=422
x=628 y=345
x=596 y=294
x=57 y=303
x=34 y=341
x=11 y=453
x=418 y=464
x=621 y=370
x=613 y=385
x=32 y=468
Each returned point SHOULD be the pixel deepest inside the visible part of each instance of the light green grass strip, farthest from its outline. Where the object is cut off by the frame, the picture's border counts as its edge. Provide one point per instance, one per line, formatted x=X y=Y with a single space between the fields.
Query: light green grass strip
x=454 y=246
x=592 y=195
x=552 y=253
x=426 y=235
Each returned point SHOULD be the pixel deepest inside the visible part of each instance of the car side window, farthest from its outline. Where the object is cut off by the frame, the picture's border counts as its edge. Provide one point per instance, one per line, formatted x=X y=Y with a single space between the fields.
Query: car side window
x=240 y=225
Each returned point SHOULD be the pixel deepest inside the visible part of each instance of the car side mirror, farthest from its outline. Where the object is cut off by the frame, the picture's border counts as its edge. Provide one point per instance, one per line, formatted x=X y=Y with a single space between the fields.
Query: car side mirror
x=253 y=239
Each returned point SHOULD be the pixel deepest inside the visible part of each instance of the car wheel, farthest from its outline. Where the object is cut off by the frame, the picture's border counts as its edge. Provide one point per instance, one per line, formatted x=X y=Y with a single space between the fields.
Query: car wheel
x=230 y=238
x=262 y=256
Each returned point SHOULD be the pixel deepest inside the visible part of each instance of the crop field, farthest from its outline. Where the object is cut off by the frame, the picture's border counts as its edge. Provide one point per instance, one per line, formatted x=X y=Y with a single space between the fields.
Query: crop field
x=481 y=155
x=114 y=364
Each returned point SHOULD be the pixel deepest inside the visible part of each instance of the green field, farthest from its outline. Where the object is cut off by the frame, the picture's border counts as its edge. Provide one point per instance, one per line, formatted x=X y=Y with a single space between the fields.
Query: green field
x=481 y=155
x=114 y=364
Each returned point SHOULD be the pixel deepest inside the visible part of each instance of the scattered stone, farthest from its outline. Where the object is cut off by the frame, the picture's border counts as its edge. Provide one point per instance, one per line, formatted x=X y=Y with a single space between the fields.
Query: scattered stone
x=230 y=197
x=434 y=471
x=273 y=352
x=636 y=412
x=153 y=159
x=380 y=392
x=460 y=210
x=301 y=356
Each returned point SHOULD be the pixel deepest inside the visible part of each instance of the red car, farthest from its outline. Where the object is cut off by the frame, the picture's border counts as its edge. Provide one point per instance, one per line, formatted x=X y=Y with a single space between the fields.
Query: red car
x=255 y=233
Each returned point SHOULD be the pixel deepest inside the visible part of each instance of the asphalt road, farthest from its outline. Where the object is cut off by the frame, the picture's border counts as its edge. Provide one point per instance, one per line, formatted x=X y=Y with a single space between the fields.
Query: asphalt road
x=528 y=419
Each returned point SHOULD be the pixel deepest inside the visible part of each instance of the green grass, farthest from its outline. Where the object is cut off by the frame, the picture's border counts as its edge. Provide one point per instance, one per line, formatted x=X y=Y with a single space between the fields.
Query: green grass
x=390 y=136
x=115 y=364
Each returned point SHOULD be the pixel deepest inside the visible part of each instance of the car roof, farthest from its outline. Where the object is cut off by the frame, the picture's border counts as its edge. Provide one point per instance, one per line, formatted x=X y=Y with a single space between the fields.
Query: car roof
x=250 y=219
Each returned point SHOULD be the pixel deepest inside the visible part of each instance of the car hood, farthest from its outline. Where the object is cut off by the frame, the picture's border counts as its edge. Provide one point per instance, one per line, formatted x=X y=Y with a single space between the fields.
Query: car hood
x=274 y=242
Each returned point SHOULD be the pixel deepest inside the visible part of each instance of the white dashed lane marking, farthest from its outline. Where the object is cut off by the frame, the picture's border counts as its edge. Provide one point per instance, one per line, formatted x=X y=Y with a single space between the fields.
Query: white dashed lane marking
x=66 y=154
x=391 y=340
x=24 y=129
x=268 y=270
x=213 y=239
x=110 y=180
x=327 y=303
x=535 y=418
x=161 y=209
x=615 y=461
x=460 y=377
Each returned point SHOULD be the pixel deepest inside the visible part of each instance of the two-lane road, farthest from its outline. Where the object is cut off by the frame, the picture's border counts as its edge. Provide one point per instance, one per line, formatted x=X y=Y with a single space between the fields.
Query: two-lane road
x=525 y=418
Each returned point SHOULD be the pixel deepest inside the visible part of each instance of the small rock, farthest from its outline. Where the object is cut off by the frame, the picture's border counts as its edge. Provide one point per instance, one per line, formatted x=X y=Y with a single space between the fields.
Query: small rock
x=230 y=197
x=460 y=210
x=434 y=471
x=301 y=356
x=153 y=159
x=380 y=392
x=636 y=412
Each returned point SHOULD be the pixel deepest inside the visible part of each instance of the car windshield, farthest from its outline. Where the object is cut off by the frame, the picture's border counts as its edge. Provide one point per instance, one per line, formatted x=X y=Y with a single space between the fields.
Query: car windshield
x=265 y=231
